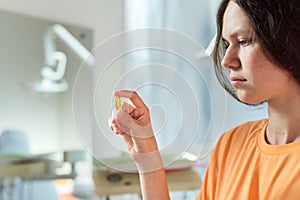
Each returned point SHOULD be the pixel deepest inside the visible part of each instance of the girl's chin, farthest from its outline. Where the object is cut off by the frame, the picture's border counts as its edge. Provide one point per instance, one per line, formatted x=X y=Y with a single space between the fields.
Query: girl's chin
x=249 y=100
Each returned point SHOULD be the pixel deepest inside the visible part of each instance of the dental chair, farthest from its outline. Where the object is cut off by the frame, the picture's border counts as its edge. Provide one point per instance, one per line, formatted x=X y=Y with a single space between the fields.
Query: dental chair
x=13 y=142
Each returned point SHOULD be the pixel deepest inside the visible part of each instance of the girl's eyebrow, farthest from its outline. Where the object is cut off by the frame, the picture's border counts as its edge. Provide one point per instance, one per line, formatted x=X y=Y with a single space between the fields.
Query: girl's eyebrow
x=238 y=32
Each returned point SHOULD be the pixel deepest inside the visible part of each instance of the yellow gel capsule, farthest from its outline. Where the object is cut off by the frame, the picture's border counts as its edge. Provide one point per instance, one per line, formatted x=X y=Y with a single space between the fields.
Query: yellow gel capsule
x=118 y=103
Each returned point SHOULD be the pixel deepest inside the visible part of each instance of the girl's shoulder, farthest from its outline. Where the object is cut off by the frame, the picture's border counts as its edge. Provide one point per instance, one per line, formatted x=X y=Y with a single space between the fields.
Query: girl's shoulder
x=242 y=136
x=247 y=129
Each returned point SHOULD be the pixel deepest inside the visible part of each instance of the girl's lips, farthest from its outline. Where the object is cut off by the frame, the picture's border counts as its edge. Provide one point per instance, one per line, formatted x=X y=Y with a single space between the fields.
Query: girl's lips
x=237 y=81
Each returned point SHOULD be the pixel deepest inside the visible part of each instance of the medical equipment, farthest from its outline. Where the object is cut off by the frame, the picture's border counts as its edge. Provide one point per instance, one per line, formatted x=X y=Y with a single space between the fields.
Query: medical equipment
x=56 y=61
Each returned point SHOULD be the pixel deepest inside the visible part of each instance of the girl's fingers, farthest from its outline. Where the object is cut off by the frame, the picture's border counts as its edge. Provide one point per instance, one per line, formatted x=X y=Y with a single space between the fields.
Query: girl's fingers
x=133 y=96
x=126 y=107
x=139 y=114
x=114 y=126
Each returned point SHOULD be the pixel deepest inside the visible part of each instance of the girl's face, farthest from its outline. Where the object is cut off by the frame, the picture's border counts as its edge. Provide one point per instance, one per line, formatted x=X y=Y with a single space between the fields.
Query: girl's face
x=255 y=78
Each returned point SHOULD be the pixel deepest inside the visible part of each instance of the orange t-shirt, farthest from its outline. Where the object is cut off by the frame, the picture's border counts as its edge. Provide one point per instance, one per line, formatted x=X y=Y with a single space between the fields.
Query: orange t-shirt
x=243 y=166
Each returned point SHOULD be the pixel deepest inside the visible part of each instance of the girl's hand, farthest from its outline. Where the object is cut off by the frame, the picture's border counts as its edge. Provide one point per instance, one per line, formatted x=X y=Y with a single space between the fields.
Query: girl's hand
x=133 y=123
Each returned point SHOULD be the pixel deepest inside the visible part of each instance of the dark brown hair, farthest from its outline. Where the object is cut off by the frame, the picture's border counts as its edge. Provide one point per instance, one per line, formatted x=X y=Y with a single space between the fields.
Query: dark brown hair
x=276 y=24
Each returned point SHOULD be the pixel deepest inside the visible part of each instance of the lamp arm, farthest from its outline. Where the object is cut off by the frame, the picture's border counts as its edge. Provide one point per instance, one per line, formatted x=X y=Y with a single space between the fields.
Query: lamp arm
x=58 y=31
x=207 y=53
x=60 y=60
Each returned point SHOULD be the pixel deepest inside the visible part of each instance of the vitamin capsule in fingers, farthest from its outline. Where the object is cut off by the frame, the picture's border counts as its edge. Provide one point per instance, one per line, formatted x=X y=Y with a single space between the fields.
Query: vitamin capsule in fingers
x=118 y=103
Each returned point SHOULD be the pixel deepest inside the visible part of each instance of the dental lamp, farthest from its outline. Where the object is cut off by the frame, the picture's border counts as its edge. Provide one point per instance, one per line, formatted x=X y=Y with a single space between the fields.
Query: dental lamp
x=56 y=61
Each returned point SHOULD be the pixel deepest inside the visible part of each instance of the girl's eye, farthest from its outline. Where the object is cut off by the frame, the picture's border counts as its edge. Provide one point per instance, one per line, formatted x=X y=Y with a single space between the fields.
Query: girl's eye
x=245 y=43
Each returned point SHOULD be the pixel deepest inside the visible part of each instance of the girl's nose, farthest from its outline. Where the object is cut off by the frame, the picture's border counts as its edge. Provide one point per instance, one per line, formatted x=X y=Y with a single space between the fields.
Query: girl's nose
x=231 y=59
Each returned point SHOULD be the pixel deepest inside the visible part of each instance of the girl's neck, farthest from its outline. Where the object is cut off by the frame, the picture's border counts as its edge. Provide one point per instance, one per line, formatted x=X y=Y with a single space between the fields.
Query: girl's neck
x=284 y=119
